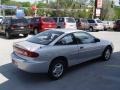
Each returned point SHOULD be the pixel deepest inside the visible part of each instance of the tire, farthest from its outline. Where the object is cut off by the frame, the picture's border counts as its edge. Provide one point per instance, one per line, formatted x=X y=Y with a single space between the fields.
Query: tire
x=36 y=31
x=7 y=35
x=25 y=35
x=106 y=54
x=91 y=29
x=56 y=65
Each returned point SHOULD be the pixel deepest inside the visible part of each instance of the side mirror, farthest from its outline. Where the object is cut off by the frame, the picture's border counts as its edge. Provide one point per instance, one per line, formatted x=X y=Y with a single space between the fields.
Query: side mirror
x=97 y=40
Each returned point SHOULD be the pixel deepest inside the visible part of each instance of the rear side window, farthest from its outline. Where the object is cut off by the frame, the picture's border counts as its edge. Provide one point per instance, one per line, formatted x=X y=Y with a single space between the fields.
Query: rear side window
x=70 y=20
x=48 y=20
x=118 y=21
x=98 y=21
x=35 y=20
x=77 y=20
x=61 y=19
x=55 y=19
x=91 y=21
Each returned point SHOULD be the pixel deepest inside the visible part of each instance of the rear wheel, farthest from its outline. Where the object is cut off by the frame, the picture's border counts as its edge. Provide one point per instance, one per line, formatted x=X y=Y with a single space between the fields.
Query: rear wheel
x=36 y=31
x=7 y=35
x=91 y=29
x=56 y=69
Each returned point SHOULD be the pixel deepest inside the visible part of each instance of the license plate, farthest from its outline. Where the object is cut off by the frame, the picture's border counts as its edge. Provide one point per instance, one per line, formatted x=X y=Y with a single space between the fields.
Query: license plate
x=22 y=27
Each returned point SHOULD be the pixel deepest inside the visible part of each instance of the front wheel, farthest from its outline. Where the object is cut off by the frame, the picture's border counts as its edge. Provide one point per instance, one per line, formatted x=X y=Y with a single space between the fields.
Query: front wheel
x=107 y=54
x=56 y=69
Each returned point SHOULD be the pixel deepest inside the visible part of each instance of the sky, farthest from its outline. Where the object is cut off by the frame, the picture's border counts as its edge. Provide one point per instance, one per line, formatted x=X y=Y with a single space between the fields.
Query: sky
x=116 y=1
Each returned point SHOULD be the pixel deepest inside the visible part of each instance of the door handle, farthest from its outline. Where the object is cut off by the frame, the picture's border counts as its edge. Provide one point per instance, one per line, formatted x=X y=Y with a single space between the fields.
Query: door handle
x=81 y=47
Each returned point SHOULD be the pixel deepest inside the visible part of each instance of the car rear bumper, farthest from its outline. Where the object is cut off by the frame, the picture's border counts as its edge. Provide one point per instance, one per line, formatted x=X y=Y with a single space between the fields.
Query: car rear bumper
x=19 y=31
x=98 y=28
x=30 y=65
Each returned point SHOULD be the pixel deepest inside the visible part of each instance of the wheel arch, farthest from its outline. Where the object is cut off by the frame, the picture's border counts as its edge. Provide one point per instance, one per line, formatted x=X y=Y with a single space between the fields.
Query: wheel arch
x=62 y=58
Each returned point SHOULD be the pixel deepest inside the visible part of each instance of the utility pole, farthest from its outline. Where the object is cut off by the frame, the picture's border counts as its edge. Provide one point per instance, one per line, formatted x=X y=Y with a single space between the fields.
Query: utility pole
x=95 y=6
x=57 y=8
x=0 y=8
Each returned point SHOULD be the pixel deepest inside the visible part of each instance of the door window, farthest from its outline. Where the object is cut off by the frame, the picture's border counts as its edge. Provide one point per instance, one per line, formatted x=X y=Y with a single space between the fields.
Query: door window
x=67 y=40
x=61 y=19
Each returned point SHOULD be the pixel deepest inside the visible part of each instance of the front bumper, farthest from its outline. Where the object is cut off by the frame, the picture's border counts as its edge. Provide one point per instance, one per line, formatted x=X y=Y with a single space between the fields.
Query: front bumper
x=30 y=65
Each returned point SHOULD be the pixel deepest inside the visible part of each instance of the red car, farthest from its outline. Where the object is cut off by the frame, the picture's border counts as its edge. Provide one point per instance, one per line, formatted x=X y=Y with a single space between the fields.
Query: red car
x=39 y=24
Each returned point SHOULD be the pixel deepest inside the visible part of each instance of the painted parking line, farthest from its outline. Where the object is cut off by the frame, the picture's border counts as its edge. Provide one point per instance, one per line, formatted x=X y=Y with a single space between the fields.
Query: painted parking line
x=114 y=66
x=3 y=79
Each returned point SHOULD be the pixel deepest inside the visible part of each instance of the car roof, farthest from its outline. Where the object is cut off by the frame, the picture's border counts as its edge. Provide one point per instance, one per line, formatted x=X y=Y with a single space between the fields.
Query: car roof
x=68 y=30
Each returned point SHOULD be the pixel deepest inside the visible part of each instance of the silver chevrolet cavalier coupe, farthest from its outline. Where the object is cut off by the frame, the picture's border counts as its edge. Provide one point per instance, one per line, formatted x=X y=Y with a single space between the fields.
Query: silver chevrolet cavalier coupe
x=55 y=50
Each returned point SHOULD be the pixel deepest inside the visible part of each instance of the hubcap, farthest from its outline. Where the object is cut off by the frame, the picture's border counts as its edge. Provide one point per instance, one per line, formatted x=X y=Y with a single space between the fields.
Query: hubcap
x=107 y=54
x=58 y=70
x=91 y=29
x=36 y=31
x=7 y=35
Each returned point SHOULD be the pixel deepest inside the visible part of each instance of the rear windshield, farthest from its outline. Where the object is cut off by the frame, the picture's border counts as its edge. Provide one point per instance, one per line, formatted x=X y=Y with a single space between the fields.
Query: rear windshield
x=48 y=20
x=70 y=20
x=91 y=21
x=46 y=37
x=118 y=21
x=15 y=21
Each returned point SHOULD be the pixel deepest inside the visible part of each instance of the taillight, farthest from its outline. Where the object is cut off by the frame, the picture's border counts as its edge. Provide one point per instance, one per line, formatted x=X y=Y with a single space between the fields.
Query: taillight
x=26 y=52
x=13 y=26
x=28 y=26
x=64 y=24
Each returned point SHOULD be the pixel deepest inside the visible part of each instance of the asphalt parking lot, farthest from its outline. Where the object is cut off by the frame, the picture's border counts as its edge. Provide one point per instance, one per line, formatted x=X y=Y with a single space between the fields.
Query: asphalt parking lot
x=92 y=75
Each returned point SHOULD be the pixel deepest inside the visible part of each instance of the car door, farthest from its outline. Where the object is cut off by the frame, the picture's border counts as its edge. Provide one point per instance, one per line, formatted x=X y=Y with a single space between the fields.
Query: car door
x=88 y=47
x=67 y=46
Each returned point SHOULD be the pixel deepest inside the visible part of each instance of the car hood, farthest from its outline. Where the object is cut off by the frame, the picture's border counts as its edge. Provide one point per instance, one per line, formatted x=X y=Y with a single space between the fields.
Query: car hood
x=28 y=45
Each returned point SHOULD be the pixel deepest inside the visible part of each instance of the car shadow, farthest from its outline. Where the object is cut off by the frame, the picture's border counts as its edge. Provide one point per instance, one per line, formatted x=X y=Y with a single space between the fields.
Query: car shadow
x=19 y=77
x=12 y=37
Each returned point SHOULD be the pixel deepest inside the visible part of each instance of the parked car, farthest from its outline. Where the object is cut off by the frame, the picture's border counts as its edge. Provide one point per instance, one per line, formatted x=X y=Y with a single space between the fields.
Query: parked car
x=65 y=22
x=55 y=50
x=14 y=26
x=1 y=19
x=39 y=24
x=108 y=25
x=82 y=24
x=95 y=25
x=116 y=26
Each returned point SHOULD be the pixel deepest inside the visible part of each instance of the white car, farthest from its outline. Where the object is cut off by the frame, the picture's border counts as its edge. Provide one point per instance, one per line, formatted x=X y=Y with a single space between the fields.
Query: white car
x=1 y=19
x=65 y=22
x=55 y=50
x=95 y=25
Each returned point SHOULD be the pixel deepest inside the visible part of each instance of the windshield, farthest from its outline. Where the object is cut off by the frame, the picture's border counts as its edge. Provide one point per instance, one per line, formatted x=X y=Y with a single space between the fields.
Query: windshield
x=48 y=20
x=46 y=37
x=15 y=21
